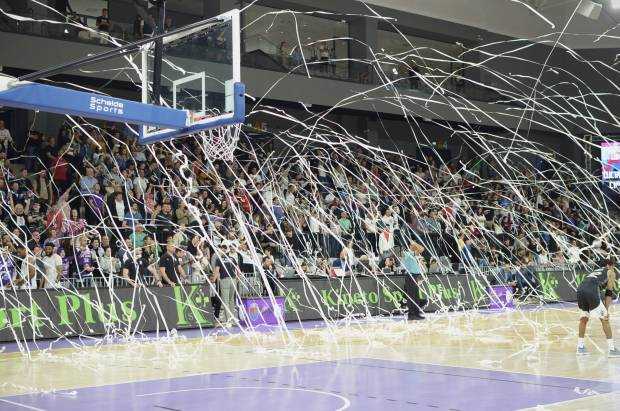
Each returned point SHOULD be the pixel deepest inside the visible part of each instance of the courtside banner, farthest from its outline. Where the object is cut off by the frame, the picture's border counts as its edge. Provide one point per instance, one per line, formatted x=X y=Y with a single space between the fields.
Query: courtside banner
x=29 y=315
x=330 y=298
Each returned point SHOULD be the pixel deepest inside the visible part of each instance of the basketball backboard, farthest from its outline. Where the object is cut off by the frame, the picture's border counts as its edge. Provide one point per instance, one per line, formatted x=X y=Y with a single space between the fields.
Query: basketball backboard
x=200 y=73
x=199 y=76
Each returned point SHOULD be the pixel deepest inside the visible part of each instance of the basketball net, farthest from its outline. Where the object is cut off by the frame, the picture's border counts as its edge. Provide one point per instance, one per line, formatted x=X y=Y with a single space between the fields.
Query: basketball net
x=220 y=143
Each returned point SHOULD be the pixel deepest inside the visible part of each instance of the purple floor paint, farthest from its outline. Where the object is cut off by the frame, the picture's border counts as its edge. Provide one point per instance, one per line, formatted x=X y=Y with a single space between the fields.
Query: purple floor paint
x=360 y=384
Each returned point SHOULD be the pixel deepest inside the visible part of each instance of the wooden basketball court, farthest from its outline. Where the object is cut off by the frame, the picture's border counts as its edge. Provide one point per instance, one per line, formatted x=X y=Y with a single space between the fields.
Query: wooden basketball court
x=457 y=361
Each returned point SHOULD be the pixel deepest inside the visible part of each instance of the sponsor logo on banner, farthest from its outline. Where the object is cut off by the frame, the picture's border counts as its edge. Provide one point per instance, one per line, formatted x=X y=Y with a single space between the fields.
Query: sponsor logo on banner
x=106 y=105
x=192 y=304
x=548 y=284
x=49 y=314
x=438 y=291
x=291 y=300
x=393 y=296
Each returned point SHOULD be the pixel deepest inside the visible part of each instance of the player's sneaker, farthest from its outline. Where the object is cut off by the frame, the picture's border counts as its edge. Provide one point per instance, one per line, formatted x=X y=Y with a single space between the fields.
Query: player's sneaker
x=615 y=353
x=582 y=351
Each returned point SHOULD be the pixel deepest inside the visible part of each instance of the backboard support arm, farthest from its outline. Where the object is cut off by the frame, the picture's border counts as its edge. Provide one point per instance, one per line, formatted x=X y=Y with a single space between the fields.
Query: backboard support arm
x=159 y=51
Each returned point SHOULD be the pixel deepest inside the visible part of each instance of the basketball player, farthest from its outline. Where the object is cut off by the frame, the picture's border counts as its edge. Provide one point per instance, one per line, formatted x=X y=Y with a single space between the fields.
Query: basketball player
x=589 y=302
x=610 y=268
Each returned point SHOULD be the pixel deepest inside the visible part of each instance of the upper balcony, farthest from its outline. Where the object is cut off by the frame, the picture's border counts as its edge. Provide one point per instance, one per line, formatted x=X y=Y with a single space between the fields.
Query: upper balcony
x=301 y=49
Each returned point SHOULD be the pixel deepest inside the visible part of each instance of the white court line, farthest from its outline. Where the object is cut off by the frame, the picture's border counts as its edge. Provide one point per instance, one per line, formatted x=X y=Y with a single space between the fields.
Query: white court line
x=600 y=396
x=28 y=407
x=346 y=401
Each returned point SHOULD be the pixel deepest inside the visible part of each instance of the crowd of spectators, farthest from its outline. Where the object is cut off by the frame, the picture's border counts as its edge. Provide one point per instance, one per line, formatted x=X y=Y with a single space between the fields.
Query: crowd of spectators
x=78 y=210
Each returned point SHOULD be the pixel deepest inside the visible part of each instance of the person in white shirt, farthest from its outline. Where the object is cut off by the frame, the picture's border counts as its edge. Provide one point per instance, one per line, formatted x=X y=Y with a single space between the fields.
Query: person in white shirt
x=140 y=182
x=25 y=276
x=347 y=256
x=573 y=253
x=370 y=228
x=314 y=225
x=108 y=264
x=543 y=258
x=5 y=137
x=53 y=267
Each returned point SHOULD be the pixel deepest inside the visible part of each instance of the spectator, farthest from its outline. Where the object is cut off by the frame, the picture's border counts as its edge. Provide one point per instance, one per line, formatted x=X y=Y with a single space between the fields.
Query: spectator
x=149 y=26
x=74 y=225
x=7 y=269
x=6 y=141
x=225 y=271
x=345 y=223
x=103 y=21
x=168 y=26
x=25 y=273
x=84 y=261
x=138 y=28
x=35 y=240
x=170 y=270
x=135 y=270
x=388 y=266
x=108 y=264
x=271 y=275
x=52 y=267
x=62 y=7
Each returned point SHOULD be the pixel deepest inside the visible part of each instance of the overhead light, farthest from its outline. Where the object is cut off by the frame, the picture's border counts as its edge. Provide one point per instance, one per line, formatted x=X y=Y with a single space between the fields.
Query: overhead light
x=615 y=4
x=590 y=9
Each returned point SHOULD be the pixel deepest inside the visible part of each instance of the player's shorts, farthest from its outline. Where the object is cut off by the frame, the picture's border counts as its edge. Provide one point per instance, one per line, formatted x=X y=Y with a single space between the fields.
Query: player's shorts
x=599 y=312
x=590 y=305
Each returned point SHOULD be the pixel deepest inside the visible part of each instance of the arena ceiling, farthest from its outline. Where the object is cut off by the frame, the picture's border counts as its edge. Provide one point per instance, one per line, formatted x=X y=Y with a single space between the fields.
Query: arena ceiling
x=512 y=18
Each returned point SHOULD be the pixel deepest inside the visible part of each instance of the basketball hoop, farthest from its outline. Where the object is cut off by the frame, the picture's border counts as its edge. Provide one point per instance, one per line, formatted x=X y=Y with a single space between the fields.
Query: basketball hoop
x=220 y=143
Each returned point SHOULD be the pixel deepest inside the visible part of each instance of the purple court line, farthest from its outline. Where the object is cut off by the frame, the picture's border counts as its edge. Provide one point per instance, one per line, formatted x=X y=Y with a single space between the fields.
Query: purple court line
x=69 y=342
x=362 y=384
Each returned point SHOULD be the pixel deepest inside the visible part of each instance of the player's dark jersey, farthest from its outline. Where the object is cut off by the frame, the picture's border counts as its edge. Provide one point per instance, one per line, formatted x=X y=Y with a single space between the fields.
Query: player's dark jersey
x=589 y=291
x=594 y=282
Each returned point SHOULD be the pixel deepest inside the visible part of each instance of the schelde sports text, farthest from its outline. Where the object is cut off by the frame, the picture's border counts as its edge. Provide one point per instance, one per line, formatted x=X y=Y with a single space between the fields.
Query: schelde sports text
x=106 y=105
